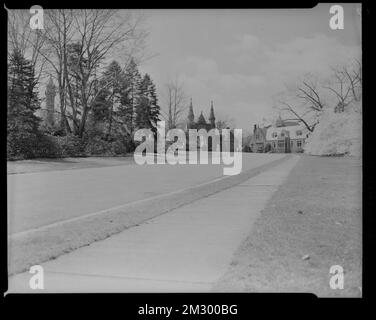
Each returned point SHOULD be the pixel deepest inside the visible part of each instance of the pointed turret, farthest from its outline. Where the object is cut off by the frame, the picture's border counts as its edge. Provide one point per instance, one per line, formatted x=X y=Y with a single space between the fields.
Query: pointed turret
x=191 y=116
x=212 y=117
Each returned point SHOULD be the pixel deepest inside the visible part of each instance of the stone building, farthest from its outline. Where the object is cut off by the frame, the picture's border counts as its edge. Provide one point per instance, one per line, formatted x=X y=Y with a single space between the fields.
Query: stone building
x=50 y=103
x=201 y=122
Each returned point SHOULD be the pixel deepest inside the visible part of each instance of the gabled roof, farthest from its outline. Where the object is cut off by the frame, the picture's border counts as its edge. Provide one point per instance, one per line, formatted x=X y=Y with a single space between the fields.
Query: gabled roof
x=295 y=132
x=263 y=132
x=289 y=123
x=201 y=119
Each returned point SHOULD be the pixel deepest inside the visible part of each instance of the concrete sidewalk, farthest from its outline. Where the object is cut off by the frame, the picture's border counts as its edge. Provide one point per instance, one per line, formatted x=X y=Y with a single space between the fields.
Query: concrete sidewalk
x=184 y=250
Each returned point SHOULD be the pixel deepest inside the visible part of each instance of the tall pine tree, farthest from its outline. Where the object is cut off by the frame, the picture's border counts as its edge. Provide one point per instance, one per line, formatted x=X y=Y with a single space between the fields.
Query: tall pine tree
x=147 y=110
x=23 y=102
x=114 y=84
x=130 y=96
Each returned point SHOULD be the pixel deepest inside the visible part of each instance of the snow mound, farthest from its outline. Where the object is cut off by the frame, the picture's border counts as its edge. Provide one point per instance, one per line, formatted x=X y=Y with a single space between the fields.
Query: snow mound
x=337 y=134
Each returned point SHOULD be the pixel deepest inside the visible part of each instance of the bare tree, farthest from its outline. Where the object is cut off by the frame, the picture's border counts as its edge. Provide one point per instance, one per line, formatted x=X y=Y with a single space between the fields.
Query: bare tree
x=176 y=103
x=307 y=100
x=346 y=83
x=99 y=33
x=93 y=35
x=25 y=40
x=224 y=121
x=309 y=93
x=297 y=116
x=58 y=34
x=303 y=103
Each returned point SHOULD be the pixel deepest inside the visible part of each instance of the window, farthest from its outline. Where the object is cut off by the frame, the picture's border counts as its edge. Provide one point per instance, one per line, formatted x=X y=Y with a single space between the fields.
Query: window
x=299 y=132
x=274 y=134
x=257 y=136
x=299 y=143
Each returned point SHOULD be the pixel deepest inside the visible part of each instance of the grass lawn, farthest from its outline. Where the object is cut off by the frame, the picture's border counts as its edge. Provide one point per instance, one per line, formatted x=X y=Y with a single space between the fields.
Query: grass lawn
x=41 y=165
x=311 y=223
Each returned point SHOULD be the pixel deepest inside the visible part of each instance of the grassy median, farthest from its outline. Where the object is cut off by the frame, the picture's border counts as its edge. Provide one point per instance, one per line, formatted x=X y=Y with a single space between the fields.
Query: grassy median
x=312 y=222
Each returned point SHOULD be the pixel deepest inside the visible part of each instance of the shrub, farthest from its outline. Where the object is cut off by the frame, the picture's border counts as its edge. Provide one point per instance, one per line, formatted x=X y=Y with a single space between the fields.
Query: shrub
x=71 y=146
x=47 y=147
x=97 y=146
x=23 y=145
x=20 y=145
x=120 y=148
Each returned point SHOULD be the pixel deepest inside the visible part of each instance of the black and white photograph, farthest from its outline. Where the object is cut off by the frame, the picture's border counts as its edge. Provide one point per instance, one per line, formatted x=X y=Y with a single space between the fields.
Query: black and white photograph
x=185 y=151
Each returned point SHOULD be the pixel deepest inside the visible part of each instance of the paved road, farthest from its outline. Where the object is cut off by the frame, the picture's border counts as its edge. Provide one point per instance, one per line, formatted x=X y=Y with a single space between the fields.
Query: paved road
x=187 y=249
x=41 y=198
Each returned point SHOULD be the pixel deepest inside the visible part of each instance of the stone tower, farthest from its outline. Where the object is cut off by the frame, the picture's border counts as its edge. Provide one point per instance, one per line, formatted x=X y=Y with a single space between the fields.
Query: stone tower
x=212 y=117
x=50 y=102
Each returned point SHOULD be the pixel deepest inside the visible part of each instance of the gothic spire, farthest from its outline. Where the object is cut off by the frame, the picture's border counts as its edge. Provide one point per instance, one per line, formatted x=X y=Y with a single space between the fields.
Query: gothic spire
x=191 y=116
x=212 y=117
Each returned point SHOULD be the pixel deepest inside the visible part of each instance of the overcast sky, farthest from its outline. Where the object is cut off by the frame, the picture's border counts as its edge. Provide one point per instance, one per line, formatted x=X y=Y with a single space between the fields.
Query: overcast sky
x=241 y=58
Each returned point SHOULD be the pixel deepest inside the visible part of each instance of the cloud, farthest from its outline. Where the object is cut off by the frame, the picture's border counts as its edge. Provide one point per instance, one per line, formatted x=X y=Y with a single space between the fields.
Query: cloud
x=242 y=77
x=204 y=81
x=286 y=61
x=316 y=54
x=205 y=73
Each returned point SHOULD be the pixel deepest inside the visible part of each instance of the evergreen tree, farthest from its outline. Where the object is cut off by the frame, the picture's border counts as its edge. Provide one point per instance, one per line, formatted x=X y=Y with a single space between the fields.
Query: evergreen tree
x=23 y=102
x=114 y=84
x=147 y=110
x=130 y=96
x=100 y=108
x=154 y=108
